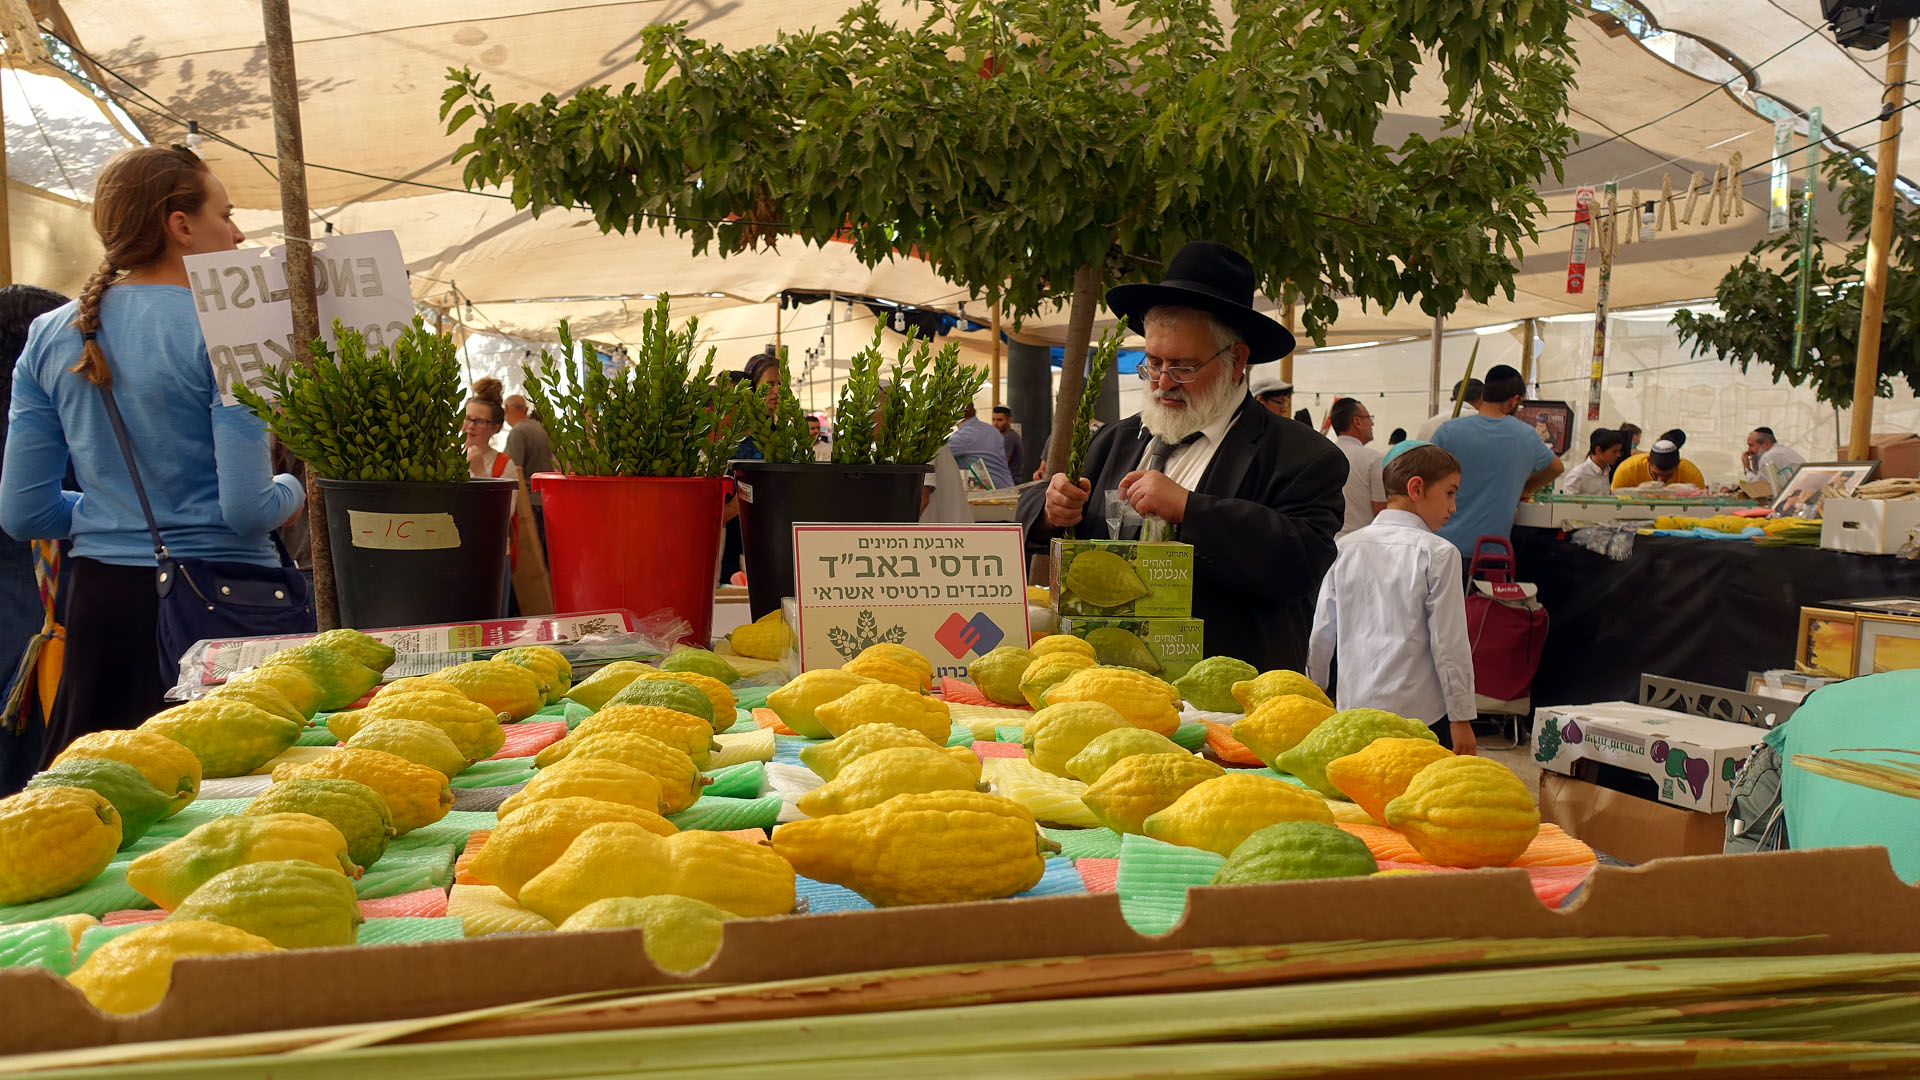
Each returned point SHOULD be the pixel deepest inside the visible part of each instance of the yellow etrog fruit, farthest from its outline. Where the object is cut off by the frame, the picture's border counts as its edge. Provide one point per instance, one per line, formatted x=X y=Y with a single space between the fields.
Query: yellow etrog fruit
x=680 y=779
x=874 y=778
x=342 y=679
x=550 y=664
x=707 y=663
x=765 y=638
x=364 y=649
x=997 y=674
x=1138 y=787
x=540 y=832
x=1271 y=684
x=1145 y=701
x=1050 y=668
x=166 y=764
x=415 y=794
x=294 y=904
x=1060 y=643
x=1279 y=724
x=597 y=689
x=589 y=778
x=885 y=703
x=131 y=973
x=881 y=669
x=415 y=740
x=301 y=689
x=54 y=840
x=1056 y=733
x=795 y=702
x=679 y=932
x=1095 y=758
x=1217 y=814
x=170 y=874
x=230 y=737
x=1341 y=734
x=828 y=758
x=684 y=731
x=1380 y=771
x=500 y=686
x=1466 y=811
x=721 y=707
x=911 y=659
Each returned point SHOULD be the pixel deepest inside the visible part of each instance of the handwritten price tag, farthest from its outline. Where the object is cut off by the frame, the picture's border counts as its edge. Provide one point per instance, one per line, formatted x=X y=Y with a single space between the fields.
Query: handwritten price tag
x=402 y=532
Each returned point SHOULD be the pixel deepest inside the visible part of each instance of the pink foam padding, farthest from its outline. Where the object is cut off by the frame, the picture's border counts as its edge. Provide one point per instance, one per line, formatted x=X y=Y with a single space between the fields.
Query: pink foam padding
x=961 y=692
x=131 y=916
x=425 y=904
x=998 y=749
x=1552 y=884
x=528 y=739
x=1098 y=875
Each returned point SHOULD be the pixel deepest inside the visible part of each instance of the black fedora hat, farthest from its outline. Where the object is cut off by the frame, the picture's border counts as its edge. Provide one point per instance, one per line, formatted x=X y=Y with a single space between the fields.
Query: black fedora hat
x=1215 y=279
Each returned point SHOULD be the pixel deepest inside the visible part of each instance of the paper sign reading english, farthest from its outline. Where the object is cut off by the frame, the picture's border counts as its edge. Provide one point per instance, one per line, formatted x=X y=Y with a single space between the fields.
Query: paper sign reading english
x=241 y=297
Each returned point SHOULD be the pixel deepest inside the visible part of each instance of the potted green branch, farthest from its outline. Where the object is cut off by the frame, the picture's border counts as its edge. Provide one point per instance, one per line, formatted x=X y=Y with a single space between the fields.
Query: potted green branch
x=633 y=516
x=415 y=539
x=878 y=468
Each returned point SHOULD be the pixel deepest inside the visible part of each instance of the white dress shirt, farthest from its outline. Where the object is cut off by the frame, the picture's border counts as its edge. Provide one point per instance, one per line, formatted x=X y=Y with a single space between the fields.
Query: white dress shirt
x=1587 y=478
x=1187 y=464
x=1394 y=609
x=1366 y=483
x=1432 y=423
x=1776 y=466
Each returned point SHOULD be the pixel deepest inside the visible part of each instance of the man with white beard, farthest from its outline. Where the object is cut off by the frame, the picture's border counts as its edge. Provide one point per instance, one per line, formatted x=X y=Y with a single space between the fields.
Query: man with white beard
x=1259 y=497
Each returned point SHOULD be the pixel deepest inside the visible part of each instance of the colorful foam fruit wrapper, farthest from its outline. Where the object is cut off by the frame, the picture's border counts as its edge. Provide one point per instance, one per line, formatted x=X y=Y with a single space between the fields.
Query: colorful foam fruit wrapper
x=1692 y=771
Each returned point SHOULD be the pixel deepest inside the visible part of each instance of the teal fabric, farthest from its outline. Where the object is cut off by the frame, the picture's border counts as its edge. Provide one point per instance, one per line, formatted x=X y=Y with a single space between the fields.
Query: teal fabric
x=1835 y=721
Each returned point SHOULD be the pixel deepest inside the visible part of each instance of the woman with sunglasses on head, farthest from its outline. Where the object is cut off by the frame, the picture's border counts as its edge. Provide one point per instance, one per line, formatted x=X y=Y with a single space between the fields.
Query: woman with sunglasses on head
x=205 y=466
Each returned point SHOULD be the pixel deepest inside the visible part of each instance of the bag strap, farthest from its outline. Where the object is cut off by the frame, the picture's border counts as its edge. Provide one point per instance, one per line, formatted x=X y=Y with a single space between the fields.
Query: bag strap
x=160 y=554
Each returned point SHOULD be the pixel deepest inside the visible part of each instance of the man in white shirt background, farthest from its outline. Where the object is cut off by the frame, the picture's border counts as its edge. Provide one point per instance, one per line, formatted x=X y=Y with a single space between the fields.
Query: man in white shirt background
x=1768 y=460
x=1366 y=492
x=1594 y=476
x=1472 y=390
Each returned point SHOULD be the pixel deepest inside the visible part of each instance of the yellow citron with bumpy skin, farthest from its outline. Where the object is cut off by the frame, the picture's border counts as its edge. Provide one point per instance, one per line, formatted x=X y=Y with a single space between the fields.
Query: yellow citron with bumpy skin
x=166 y=764
x=1217 y=814
x=294 y=904
x=365 y=649
x=553 y=668
x=765 y=638
x=415 y=794
x=1060 y=643
x=342 y=679
x=500 y=686
x=417 y=741
x=260 y=695
x=54 y=840
x=416 y=684
x=885 y=703
x=597 y=689
x=828 y=758
x=1056 y=733
x=680 y=779
x=131 y=973
x=718 y=694
x=679 y=932
x=1466 y=811
x=590 y=778
x=684 y=731
x=795 y=702
x=1271 y=684
x=473 y=727
x=170 y=874
x=518 y=849
x=1344 y=733
x=880 y=669
x=947 y=847
x=1377 y=774
x=1279 y=724
x=997 y=674
x=1108 y=747
x=231 y=738
x=879 y=776
x=1145 y=701
x=911 y=659
x=1048 y=669
x=623 y=859
x=301 y=689
x=1138 y=787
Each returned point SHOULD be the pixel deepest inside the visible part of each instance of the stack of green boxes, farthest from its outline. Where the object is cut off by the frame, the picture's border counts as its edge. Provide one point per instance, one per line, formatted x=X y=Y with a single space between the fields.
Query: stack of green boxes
x=1131 y=600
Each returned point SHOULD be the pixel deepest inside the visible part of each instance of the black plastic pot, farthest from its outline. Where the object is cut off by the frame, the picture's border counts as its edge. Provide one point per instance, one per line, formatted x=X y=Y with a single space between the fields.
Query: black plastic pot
x=773 y=497
x=407 y=553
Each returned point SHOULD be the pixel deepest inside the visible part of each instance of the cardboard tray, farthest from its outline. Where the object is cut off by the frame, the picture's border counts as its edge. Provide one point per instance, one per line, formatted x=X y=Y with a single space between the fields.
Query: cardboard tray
x=1847 y=900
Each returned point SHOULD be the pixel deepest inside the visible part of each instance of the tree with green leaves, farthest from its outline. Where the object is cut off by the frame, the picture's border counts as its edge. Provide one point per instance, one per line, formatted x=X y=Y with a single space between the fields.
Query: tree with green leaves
x=1759 y=297
x=1036 y=151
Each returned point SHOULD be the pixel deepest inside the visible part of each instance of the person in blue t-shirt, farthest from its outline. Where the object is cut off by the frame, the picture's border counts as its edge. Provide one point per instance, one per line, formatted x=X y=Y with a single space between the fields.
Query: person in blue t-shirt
x=1501 y=459
x=206 y=466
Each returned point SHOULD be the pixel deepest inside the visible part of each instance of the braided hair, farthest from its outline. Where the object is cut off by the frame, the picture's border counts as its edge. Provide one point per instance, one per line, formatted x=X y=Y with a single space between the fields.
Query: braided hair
x=136 y=195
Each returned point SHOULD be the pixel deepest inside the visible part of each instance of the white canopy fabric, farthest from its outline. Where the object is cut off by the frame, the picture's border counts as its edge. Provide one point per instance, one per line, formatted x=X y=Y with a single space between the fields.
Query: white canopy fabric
x=371 y=74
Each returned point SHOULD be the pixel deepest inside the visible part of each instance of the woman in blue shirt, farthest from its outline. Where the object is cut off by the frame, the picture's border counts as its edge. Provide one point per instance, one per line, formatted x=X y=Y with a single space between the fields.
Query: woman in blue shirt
x=206 y=466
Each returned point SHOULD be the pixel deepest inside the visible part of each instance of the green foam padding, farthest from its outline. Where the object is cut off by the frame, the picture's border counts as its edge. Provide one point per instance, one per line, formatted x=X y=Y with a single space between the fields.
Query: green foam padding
x=744 y=725
x=720 y=815
x=1190 y=736
x=1008 y=733
x=1278 y=775
x=568 y=710
x=504 y=772
x=108 y=892
x=95 y=936
x=41 y=944
x=316 y=736
x=400 y=872
x=960 y=736
x=742 y=781
x=450 y=831
x=752 y=697
x=195 y=815
x=401 y=931
x=1154 y=878
x=1084 y=843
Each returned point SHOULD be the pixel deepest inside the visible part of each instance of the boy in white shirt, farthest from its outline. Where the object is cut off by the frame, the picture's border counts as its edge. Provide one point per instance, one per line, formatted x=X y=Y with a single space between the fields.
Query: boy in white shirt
x=1594 y=476
x=1394 y=607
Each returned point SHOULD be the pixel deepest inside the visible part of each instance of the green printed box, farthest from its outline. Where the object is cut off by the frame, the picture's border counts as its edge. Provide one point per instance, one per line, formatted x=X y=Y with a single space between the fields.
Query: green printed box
x=1152 y=580
x=1163 y=647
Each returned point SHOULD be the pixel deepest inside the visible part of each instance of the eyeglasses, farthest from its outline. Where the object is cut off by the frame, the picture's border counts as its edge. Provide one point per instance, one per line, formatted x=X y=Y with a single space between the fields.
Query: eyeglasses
x=481 y=420
x=1152 y=368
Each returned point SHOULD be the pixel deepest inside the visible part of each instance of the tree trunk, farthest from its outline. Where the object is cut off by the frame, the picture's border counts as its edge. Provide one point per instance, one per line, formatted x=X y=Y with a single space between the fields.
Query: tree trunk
x=1073 y=367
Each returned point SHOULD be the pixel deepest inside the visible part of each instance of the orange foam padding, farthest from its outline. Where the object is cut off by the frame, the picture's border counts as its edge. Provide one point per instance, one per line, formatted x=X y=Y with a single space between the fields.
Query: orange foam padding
x=767 y=718
x=1220 y=740
x=425 y=904
x=476 y=840
x=1386 y=844
x=987 y=750
x=528 y=739
x=1551 y=884
x=131 y=916
x=961 y=692
x=1553 y=847
x=1098 y=875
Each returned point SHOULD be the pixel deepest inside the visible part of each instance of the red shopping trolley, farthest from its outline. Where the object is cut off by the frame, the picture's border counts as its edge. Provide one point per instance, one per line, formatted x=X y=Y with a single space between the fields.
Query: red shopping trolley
x=1507 y=628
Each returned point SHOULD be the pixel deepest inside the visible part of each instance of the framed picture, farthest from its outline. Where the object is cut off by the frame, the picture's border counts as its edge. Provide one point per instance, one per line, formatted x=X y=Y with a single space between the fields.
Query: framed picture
x=1553 y=420
x=1828 y=642
x=1816 y=481
x=1888 y=643
x=1884 y=605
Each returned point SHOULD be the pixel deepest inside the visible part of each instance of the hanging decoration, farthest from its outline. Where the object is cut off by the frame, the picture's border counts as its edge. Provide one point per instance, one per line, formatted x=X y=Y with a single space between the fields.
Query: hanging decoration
x=1582 y=232
x=1806 y=240
x=1778 y=191
x=1600 y=309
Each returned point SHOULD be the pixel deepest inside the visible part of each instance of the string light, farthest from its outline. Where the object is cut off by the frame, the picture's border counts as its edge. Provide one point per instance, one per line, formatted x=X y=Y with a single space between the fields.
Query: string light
x=194 y=139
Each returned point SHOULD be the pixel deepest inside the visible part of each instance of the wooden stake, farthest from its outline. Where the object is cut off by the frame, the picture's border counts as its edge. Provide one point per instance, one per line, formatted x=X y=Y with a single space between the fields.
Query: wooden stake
x=1286 y=362
x=1433 y=376
x=1526 y=345
x=1073 y=365
x=1866 y=364
x=998 y=348
x=299 y=240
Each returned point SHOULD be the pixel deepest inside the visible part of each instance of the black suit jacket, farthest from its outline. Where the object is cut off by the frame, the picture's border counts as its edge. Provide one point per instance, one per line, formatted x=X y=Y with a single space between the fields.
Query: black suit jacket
x=1261 y=522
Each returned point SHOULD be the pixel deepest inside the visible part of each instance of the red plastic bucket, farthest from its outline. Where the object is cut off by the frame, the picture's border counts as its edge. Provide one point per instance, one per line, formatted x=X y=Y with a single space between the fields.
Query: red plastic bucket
x=637 y=542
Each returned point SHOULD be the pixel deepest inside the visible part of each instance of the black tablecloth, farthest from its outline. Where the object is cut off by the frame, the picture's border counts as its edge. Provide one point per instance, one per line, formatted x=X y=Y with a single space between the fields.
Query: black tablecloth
x=1705 y=610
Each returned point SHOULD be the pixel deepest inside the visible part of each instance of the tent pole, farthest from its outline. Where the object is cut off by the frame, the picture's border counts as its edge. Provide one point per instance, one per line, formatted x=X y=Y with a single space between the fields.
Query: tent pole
x=1866 y=364
x=1286 y=362
x=1526 y=352
x=1433 y=375
x=6 y=222
x=996 y=354
x=299 y=242
x=776 y=325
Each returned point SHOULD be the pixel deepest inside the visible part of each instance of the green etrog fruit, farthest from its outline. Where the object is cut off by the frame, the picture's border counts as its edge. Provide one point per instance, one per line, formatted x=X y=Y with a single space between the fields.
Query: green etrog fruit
x=668 y=693
x=1346 y=733
x=703 y=662
x=1296 y=851
x=365 y=649
x=355 y=809
x=997 y=674
x=1209 y=683
x=140 y=803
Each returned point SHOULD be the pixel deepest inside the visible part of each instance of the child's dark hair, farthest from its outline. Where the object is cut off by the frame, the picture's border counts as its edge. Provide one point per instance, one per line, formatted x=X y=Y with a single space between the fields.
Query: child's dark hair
x=1430 y=463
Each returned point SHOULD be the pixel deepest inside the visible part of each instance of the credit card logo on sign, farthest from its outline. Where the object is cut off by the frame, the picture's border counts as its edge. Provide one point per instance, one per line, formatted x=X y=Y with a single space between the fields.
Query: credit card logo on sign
x=962 y=636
